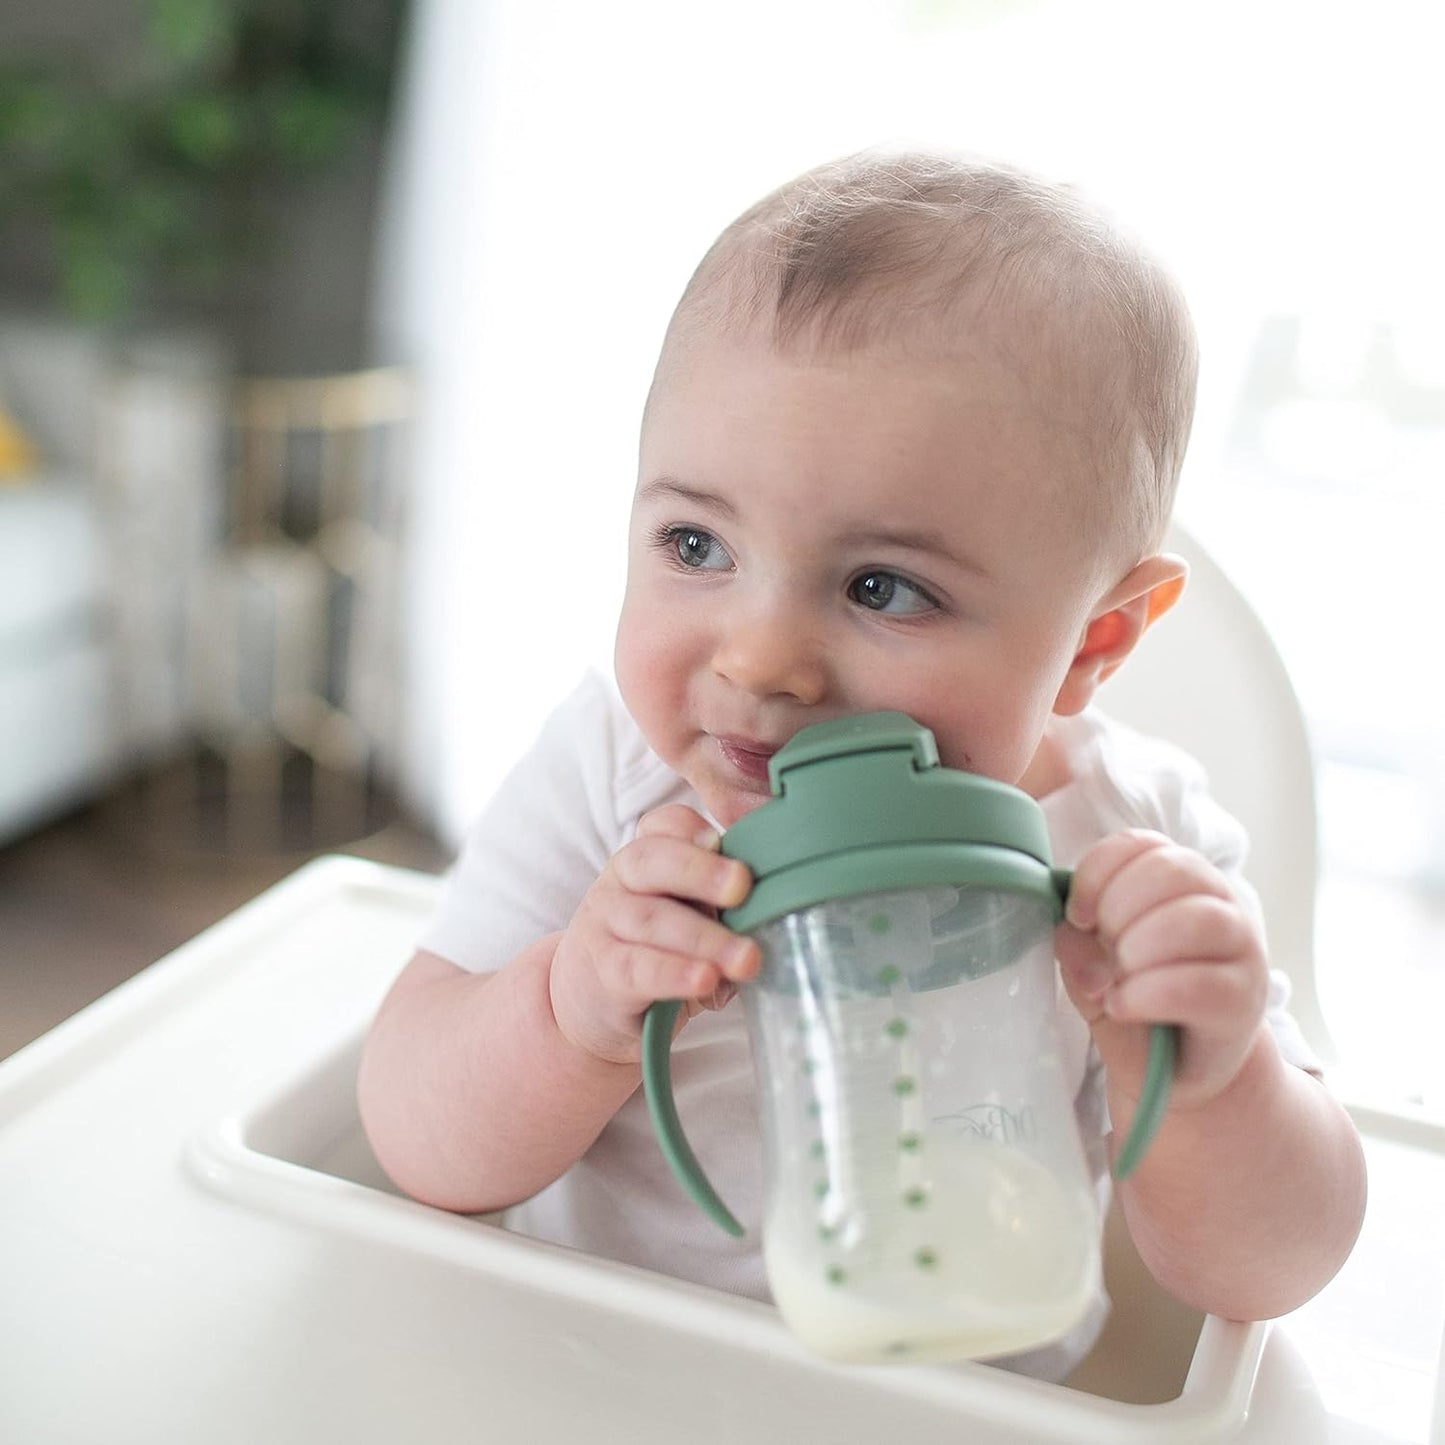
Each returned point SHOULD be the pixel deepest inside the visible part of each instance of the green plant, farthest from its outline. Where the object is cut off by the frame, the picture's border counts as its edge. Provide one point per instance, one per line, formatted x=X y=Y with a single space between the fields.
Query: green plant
x=145 y=184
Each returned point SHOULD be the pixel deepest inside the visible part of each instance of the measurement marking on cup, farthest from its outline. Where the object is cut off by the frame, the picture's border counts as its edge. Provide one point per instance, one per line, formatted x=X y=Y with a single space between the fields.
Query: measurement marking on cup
x=899 y=1038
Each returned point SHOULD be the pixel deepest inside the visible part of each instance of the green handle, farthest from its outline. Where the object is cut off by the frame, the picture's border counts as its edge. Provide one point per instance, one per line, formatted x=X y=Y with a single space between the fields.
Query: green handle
x=1158 y=1074
x=1153 y=1098
x=658 y=1024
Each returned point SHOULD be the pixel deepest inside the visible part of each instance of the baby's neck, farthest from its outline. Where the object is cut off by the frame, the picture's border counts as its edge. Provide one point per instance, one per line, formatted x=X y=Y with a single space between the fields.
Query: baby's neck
x=1049 y=768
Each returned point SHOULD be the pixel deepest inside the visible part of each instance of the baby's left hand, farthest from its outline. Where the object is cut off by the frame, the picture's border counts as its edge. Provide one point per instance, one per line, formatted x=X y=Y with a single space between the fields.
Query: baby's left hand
x=1153 y=934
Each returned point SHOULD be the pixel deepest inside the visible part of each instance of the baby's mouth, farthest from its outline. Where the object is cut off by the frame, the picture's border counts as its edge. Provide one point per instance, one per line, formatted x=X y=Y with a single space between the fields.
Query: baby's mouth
x=748 y=757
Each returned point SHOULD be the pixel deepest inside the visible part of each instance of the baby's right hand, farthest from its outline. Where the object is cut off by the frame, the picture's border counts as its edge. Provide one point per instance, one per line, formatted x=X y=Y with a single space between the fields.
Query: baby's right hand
x=647 y=930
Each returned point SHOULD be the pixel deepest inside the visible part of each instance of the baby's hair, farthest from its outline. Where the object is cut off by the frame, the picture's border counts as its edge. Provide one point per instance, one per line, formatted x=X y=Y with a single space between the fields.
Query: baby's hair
x=912 y=249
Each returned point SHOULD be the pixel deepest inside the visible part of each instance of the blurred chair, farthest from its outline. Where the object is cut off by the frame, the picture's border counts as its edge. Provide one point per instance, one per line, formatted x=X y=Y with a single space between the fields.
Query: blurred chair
x=294 y=656
x=1207 y=677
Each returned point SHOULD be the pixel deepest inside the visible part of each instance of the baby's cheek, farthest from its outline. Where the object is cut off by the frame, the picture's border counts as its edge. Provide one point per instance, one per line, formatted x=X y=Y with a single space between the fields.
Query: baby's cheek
x=643 y=680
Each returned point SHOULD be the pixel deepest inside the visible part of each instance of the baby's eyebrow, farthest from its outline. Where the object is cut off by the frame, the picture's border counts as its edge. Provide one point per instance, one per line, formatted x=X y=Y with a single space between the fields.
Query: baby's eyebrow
x=914 y=541
x=671 y=488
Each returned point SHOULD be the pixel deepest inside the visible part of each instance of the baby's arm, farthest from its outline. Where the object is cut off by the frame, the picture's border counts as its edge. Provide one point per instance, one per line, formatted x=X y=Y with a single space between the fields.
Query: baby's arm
x=1252 y=1193
x=477 y=1090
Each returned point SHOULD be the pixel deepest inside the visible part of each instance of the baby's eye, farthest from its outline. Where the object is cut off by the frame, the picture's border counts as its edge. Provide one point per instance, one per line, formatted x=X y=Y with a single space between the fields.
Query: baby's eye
x=695 y=548
x=888 y=592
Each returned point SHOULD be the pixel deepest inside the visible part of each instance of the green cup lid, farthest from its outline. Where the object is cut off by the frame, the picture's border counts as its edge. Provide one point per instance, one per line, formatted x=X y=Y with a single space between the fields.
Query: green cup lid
x=862 y=804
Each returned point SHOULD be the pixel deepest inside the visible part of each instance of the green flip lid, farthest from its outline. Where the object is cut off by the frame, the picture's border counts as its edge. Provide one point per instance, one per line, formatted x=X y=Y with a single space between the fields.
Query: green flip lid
x=861 y=804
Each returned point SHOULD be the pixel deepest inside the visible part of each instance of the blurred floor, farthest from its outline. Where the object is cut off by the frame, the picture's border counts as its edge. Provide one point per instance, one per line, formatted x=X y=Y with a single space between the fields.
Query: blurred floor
x=95 y=897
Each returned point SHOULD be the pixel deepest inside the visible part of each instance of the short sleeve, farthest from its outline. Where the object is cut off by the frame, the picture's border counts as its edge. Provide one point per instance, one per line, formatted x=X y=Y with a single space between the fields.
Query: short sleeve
x=539 y=843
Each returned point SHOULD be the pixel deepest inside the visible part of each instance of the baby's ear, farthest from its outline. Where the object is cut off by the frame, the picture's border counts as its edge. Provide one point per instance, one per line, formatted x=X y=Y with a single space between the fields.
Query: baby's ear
x=1148 y=591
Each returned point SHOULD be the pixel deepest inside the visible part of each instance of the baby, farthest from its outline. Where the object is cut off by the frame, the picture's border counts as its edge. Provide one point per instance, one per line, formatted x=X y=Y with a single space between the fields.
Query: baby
x=912 y=444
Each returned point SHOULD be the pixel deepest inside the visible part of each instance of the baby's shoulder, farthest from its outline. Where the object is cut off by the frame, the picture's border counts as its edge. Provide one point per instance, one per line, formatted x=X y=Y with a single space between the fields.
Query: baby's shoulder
x=1128 y=779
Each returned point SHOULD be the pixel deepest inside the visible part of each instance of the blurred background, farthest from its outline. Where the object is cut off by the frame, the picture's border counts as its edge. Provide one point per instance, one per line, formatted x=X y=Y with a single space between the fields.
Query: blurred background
x=325 y=329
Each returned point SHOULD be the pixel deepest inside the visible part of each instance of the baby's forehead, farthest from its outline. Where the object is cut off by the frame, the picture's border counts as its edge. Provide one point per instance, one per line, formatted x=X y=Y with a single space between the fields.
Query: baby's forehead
x=1059 y=357
x=1098 y=463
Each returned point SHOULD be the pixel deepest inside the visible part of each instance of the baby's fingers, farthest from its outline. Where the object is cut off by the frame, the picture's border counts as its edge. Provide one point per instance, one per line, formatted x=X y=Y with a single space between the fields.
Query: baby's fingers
x=663 y=865
x=654 y=973
x=1196 y=961
x=1099 y=866
x=642 y=921
x=1131 y=874
x=1207 y=998
x=1217 y=1006
x=1199 y=927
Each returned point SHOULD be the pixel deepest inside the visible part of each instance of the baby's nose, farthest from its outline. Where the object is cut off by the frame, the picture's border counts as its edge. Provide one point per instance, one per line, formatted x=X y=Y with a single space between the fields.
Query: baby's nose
x=771 y=656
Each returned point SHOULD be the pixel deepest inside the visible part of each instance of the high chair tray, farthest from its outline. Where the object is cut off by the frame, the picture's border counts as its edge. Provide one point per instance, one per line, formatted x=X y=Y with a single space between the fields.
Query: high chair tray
x=196 y=1245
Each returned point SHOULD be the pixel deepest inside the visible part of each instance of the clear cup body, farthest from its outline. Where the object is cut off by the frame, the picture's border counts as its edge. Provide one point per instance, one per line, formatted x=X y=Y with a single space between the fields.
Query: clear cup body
x=926 y=1194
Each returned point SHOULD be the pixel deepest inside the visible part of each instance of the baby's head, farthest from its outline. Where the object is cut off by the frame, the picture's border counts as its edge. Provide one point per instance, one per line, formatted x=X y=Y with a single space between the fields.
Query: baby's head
x=932 y=255
x=909 y=408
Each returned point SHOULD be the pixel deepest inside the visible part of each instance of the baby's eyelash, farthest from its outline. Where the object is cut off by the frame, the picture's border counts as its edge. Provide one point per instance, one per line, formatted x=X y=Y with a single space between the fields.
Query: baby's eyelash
x=708 y=554
x=663 y=539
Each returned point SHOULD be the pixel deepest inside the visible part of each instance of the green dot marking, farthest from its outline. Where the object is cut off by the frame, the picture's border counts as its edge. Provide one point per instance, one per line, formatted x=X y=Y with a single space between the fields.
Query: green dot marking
x=814 y=1108
x=915 y=1198
x=910 y=1143
x=896 y=1028
x=808 y=1066
x=821 y=1189
x=904 y=1085
x=925 y=1259
x=837 y=1274
x=816 y=1148
x=889 y=974
x=827 y=1232
x=880 y=923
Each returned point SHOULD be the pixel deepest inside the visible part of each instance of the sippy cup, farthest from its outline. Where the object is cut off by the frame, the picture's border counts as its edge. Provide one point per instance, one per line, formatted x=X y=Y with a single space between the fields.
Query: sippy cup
x=926 y=1195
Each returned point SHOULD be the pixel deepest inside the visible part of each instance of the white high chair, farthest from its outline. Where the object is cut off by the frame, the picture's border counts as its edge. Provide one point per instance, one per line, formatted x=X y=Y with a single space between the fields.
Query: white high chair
x=1207 y=677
